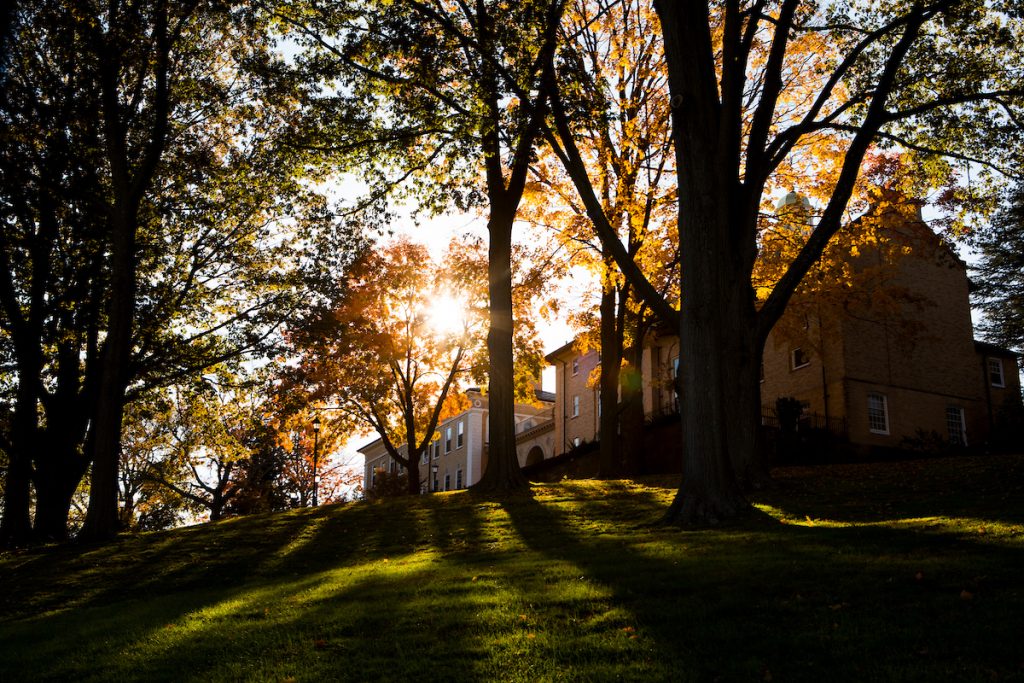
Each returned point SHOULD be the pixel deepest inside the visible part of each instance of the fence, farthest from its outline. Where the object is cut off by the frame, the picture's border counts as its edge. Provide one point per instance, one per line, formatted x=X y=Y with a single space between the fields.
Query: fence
x=807 y=422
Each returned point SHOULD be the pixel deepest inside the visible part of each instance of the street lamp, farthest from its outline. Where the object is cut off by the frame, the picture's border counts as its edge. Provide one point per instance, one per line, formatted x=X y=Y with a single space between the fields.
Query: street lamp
x=433 y=471
x=316 y=453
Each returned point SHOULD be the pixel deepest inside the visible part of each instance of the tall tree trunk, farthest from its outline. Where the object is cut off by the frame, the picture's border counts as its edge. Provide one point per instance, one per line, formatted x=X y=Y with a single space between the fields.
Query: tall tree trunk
x=101 y=519
x=713 y=282
x=59 y=469
x=609 y=450
x=503 y=472
x=413 y=476
x=631 y=413
x=709 y=492
x=16 y=525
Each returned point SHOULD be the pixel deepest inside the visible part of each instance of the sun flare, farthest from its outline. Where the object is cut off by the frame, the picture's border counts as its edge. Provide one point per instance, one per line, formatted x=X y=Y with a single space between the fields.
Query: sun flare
x=448 y=315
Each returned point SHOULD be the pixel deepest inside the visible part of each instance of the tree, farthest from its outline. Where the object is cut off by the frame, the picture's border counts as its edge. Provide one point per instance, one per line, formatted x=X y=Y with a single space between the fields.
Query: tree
x=422 y=90
x=393 y=354
x=999 y=274
x=731 y=70
x=614 y=68
x=221 y=236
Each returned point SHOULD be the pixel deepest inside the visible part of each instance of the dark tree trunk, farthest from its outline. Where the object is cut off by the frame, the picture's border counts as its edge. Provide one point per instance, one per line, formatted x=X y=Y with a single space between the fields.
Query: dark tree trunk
x=502 y=472
x=16 y=525
x=709 y=492
x=714 y=277
x=102 y=520
x=609 y=447
x=631 y=413
x=54 y=491
x=413 y=476
x=60 y=463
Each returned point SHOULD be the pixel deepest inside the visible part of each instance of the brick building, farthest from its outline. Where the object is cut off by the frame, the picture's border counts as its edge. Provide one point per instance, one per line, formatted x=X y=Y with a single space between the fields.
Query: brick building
x=881 y=373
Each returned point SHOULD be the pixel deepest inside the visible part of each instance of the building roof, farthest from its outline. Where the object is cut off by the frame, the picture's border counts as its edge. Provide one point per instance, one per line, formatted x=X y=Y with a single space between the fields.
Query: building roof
x=546 y=396
x=989 y=349
x=553 y=356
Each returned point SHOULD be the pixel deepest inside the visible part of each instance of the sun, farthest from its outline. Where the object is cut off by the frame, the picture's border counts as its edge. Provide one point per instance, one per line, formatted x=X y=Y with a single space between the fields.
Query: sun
x=447 y=315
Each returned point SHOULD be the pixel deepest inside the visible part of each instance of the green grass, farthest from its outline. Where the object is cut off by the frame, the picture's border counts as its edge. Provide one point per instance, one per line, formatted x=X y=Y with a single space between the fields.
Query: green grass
x=908 y=571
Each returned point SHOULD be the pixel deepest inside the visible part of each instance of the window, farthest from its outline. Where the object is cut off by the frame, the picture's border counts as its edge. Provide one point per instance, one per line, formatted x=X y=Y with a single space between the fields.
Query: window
x=878 y=414
x=995 y=372
x=458 y=478
x=447 y=440
x=575 y=366
x=437 y=449
x=956 y=426
x=459 y=435
x=447 y=482
x=675 y=367
x=576 y=405
x=435 y=482
x=425 y=458
x=799 y=359
x=391 y=466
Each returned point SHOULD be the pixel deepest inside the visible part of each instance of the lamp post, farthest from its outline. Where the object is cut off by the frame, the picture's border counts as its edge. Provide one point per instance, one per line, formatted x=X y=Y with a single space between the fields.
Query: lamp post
x=316 y=453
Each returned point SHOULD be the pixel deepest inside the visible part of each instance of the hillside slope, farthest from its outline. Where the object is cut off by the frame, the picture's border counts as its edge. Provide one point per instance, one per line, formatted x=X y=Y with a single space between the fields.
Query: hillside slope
x=907 y=571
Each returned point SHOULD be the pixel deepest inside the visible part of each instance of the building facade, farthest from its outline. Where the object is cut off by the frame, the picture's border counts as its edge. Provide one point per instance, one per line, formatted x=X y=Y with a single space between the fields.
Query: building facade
x=888 y=369
x=457 y=456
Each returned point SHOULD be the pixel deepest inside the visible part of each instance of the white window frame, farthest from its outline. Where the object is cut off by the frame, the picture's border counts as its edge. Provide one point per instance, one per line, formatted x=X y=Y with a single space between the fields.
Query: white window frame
x=997 y=378
x=885 y=413
x=460 y=434
x=575 y=405
x=957 y=414
x=447 y=439
x=575 y=366
x=793 y=365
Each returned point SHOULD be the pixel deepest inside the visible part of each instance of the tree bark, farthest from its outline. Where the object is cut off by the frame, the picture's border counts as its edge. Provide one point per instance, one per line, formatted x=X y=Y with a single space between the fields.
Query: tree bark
x=714 y=286
x=609 y=447
x=631 y=412
x=16 y=525
x=102 y=520
x=503 y=472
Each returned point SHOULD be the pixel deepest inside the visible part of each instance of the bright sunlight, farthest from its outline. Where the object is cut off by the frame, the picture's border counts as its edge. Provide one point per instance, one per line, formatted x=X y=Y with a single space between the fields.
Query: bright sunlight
x=447 y=314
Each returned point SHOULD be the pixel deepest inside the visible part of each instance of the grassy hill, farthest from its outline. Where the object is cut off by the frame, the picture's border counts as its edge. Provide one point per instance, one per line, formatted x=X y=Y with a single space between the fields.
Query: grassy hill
x=908 y=571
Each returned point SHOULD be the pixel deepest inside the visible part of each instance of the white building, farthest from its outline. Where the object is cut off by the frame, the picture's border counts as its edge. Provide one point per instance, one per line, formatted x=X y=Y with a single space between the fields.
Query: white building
x=457 y=457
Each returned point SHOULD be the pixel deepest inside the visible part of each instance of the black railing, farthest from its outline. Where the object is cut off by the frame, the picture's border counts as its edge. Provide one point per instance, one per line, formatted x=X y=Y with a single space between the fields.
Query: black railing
x=836 y=426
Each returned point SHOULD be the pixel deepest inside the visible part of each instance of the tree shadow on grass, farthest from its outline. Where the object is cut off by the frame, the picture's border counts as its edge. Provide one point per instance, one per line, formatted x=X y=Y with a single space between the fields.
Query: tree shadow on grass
x=982 y=488
x=762 y=597
x=221 y=555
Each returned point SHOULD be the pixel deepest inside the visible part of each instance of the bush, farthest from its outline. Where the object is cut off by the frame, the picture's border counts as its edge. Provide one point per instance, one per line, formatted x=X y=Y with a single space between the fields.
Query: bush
x=388 y=485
